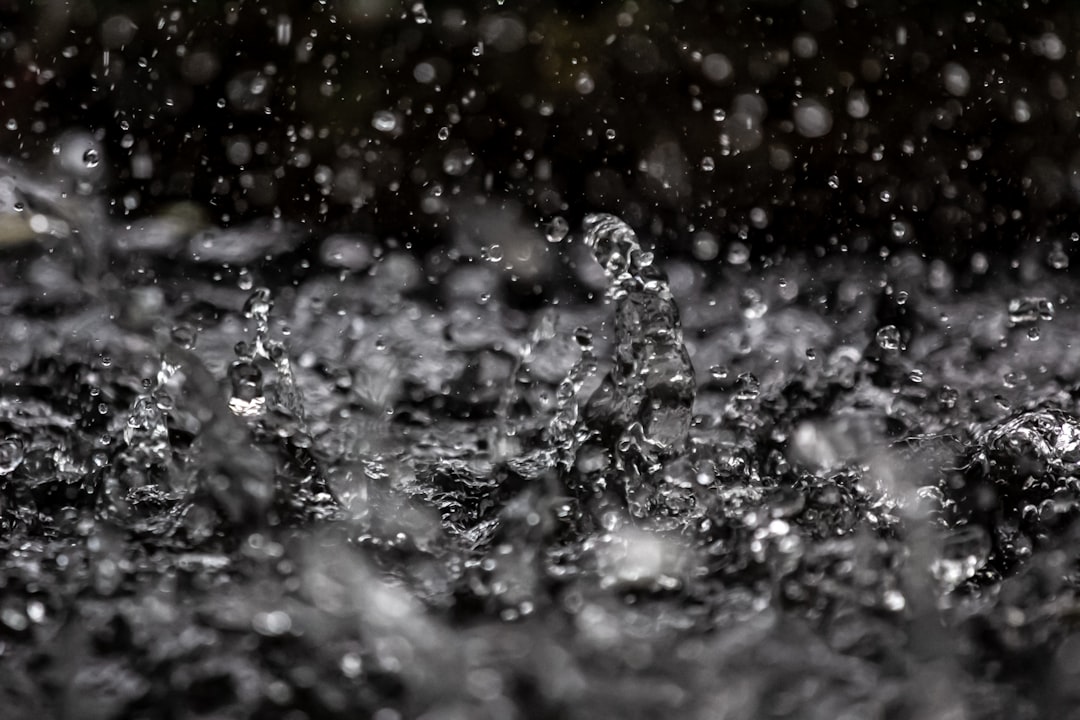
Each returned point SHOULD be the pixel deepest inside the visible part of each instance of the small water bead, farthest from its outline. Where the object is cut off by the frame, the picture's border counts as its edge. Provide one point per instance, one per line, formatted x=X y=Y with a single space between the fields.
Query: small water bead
x=91 y=158
x=888 y=338
x=1033 y=333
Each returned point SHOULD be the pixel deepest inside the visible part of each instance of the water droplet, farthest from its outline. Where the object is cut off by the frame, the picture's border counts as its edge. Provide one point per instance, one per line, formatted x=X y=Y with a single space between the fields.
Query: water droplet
x=650 y=392
x=1025 y=310
x=11 y=454
x=556 y=229
x=184 y=335
x=888 y=338
x=738 y=253
x=91 y=158
x=956 y=79
x=420 y=13
x=963 y=552
x=749 y=387
x=384 y=121
x=247 y=389
x=812 y=118
x=1058 y=258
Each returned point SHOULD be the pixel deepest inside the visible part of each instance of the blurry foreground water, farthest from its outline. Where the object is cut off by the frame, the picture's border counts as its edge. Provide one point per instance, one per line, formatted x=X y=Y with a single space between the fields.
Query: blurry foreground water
x=839 y=488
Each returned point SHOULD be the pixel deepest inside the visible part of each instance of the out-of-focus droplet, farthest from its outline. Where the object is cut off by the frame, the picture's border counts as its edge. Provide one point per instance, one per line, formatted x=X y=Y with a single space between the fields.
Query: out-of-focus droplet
x=812 y=118
x=556 y=229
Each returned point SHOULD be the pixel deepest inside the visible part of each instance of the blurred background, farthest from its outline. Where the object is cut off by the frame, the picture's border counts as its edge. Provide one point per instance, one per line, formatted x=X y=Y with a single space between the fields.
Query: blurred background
x=715 y=126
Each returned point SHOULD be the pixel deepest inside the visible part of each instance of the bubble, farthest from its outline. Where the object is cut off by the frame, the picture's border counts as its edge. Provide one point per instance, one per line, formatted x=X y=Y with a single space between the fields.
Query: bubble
x=91 y=158
x=812 y=119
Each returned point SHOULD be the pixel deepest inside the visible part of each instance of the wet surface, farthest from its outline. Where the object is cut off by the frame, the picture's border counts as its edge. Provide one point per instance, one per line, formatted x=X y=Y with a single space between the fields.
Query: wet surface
x=842 y=488
x=287 y=458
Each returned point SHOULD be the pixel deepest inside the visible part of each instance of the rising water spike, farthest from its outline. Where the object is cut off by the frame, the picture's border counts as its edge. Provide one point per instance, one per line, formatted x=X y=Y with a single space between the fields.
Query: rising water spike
x=649 y=394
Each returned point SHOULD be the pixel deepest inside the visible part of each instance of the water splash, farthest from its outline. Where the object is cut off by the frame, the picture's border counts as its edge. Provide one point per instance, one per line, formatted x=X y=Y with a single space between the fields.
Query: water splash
x=645 y=403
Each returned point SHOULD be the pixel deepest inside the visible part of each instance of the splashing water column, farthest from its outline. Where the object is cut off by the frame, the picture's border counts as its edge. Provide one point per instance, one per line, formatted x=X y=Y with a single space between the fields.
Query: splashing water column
x=645 y=403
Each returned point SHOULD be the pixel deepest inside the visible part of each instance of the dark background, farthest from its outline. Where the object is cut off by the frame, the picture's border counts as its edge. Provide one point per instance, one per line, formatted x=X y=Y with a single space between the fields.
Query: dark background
x=259 y=108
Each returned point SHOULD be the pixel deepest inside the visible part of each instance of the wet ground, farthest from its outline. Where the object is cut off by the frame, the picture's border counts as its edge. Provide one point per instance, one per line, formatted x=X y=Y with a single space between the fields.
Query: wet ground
x=794 y=431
